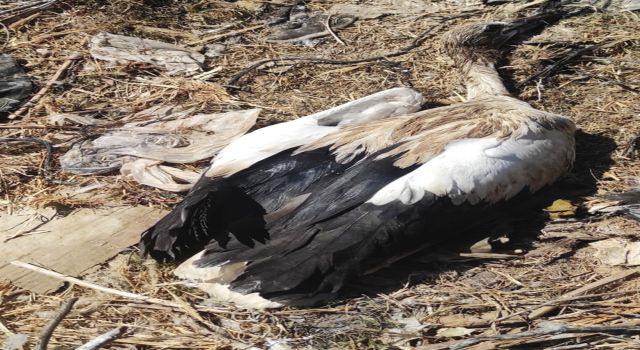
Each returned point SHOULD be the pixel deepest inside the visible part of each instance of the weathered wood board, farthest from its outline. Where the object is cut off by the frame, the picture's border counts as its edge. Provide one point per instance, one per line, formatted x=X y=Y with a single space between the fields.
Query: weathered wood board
x=69 y=245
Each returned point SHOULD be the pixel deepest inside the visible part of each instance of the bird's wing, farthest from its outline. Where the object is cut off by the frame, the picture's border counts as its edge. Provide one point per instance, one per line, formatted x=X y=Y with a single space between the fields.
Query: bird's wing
x=267 y=144
x=270 y=140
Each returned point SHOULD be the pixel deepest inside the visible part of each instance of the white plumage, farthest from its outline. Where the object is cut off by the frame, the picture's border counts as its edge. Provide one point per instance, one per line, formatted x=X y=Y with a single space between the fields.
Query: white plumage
x=485 y=169
x=265 y=142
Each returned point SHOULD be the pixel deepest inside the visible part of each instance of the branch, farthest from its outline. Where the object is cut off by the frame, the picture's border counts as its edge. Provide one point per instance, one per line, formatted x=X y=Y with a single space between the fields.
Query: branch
x=217 y=37
x=178 y=304
x=537 y=313
x=327 y=24
x=233 y=83
x=549 y=328
x=82 y=283
x=43 y=91
x=104 y=339
x=559 y=64
x=45 y=335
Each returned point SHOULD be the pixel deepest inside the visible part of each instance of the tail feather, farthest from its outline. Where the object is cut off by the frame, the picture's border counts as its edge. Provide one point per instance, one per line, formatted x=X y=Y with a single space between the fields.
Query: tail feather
x=206 y=215
x=170 y=237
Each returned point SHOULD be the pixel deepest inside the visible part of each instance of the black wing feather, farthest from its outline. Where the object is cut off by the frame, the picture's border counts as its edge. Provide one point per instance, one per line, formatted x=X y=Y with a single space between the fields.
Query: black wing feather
x=217 y=208
x=308 y=254
x=363 y=239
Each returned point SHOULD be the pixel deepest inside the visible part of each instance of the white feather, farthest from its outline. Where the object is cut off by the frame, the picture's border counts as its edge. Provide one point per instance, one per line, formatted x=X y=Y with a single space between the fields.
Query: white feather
x=265 y=142
x=383 y=104
x=214 y=280
x=485 y=169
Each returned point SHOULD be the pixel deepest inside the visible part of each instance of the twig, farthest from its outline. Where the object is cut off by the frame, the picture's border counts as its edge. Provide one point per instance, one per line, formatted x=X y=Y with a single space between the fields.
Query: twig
x=19 y=23
x=201 y=322
x=24 y=11
x=488 y=255
x=45 y=335
x=550 y=328
x=224 y=35
x=7 y=36
x=108 y=290
x=187 y=308
x=537 y=313
x=632 y=146
x=527 y=5
x=164 y=32
x=104 y=339
x=273 y=62
x=179 y=304
x=557 y=303
x=82 y=283
x=232 y=84
x=615 y=82
x=508 y=277
x=23 y=229
x=559 y=64
x=36 y=126
x=36 y=98
x=328 y=25
x=4 y=329
x=47 y=145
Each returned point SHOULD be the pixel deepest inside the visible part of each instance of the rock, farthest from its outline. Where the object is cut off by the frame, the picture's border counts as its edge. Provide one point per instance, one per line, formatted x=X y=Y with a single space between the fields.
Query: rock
x=15 y=342
x=616 y=251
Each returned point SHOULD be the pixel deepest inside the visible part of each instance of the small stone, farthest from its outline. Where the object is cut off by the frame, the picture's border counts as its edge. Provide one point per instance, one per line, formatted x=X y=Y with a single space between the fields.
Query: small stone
x=214 y=50
x=43 y=52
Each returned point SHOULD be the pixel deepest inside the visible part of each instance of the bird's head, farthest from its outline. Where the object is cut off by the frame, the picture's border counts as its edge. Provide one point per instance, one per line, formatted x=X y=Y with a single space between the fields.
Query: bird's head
x=471 y=40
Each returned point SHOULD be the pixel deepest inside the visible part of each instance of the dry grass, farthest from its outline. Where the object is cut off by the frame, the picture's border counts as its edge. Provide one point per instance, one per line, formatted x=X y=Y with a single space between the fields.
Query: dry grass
x=600 y=89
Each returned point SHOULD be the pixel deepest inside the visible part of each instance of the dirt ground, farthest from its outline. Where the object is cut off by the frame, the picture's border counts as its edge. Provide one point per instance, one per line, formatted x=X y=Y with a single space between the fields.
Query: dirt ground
x=434 y=300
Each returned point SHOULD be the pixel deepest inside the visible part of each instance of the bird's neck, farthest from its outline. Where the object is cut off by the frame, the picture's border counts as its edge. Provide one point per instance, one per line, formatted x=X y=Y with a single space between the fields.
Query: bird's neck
x=482 y=80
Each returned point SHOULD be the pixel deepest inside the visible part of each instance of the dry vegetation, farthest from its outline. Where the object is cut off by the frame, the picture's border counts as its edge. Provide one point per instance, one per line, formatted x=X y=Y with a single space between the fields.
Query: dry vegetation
x=403 y=306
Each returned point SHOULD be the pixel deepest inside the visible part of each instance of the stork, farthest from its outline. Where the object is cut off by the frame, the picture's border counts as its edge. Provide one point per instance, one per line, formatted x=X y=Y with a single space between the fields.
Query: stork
x=292 y=227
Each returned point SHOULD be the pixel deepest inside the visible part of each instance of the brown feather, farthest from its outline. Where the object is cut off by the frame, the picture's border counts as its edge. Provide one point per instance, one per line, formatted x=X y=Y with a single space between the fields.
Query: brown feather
x=416 y=138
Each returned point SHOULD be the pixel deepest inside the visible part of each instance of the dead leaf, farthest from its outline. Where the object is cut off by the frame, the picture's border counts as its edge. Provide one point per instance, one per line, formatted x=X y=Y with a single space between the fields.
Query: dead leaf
x=610 y=175
x=561 y=208
x=482 y=246
x=453 y=332
x=406 y=325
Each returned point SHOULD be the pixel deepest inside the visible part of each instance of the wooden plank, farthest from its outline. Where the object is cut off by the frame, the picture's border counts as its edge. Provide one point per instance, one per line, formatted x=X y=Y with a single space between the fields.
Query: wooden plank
x=70 y=245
